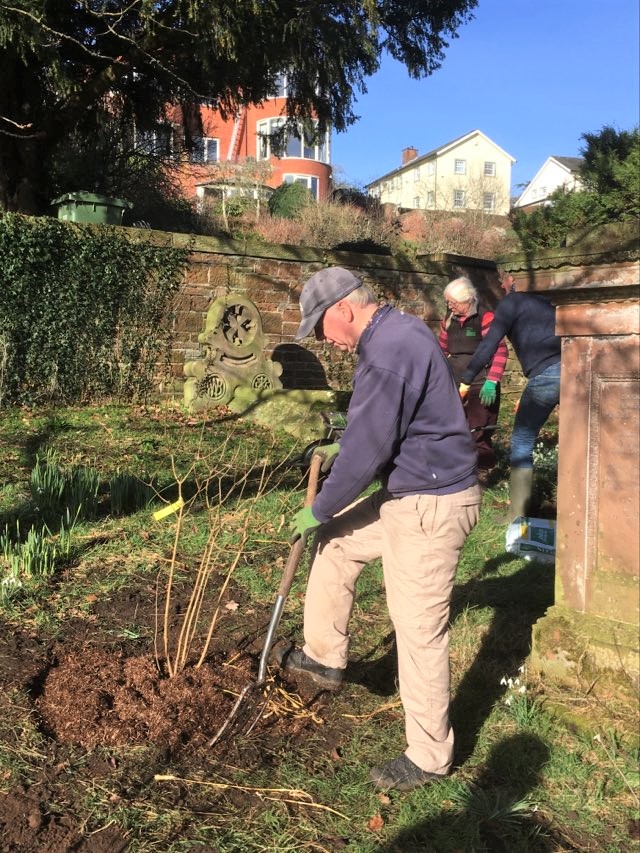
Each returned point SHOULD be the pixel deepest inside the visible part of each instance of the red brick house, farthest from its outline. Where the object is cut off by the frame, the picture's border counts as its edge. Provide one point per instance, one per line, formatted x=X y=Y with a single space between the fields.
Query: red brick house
x=245 y=141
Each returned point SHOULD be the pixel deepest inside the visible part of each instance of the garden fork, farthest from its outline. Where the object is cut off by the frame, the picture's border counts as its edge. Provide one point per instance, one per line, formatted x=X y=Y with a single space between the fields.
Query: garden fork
x=288 y=575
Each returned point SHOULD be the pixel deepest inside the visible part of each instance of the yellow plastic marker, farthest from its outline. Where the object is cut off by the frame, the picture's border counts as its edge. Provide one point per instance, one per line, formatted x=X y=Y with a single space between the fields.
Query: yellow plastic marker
x=167 y=510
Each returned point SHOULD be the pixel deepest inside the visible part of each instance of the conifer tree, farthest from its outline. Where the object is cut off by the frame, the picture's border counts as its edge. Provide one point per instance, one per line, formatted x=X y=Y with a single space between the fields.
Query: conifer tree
x=70 y=67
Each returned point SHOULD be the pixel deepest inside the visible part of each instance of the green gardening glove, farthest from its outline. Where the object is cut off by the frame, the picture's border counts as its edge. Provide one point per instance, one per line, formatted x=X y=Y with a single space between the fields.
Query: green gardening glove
x=329 y=453
x=488 y=393
x=304 y=521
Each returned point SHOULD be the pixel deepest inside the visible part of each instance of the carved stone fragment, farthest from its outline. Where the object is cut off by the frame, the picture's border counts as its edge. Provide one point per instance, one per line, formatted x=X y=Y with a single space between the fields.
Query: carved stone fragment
x=233 y=346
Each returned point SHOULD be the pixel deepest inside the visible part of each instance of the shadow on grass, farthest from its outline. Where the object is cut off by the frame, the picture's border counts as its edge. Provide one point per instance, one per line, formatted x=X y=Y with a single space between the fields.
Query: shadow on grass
x=38 y=441
x=518 y=600
x=24 y=513
x=241 y=485
x=492 y=814
x=243 y=481
x=378 y=674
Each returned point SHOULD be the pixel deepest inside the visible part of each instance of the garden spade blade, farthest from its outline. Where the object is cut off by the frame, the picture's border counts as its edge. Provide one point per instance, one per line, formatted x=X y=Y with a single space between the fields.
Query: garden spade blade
x=293 y=561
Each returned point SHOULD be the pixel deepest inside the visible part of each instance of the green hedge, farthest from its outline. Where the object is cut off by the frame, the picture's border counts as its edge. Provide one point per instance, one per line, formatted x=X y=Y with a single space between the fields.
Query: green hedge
x=84 y=311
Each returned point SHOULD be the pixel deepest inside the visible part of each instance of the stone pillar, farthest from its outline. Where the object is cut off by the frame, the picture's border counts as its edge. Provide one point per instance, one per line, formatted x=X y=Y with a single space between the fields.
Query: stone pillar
x=591 y=634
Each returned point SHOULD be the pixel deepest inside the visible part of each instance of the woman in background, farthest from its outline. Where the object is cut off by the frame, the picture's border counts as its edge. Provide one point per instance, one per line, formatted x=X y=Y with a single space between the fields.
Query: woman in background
x=464 y=326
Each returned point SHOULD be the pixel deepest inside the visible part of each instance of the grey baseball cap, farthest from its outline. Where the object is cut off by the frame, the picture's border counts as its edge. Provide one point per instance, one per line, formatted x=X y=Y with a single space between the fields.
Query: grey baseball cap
x=320 y=292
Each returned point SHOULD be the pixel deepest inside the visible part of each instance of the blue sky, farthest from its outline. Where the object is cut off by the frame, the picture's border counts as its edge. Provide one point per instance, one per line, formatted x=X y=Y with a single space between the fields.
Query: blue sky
x=533 y=75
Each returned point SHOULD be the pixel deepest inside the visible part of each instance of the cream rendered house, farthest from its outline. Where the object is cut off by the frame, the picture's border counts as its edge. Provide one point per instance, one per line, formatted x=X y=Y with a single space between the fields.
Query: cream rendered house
x=468 y=173
x=555 y=172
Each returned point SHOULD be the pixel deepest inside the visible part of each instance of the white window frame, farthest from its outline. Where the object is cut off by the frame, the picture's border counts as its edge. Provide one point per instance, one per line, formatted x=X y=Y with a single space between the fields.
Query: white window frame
x=460 y=166
x=416 y=175
x=416 y=202
x=489 y=202
x=264 y=150
x=282 y=86
x=318 y=151
x=431 y=167
x=459 y=199
x=489 y=169
x=201 y=152
x=431 y=199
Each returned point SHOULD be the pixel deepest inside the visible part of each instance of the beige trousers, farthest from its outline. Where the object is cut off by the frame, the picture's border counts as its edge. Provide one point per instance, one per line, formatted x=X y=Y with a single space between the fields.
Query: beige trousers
x=419 y=538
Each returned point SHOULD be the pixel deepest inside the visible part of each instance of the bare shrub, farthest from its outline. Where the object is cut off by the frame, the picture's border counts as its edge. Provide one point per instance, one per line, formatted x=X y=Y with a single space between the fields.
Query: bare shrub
x=472 y=234
x=323 y=225
x=331 y=224
x=275 y=229
x=229 y=486
x=328 y=225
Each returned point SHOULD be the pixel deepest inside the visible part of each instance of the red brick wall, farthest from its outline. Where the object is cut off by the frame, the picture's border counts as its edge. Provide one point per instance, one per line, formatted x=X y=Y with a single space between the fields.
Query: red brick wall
x=272 y=277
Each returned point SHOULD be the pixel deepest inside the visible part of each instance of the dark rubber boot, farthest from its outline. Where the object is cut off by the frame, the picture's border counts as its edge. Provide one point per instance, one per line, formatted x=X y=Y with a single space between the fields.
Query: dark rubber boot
x=520 y=489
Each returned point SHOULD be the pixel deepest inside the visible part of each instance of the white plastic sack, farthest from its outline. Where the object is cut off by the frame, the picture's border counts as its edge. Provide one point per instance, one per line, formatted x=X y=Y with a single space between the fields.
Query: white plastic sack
x=532 y=538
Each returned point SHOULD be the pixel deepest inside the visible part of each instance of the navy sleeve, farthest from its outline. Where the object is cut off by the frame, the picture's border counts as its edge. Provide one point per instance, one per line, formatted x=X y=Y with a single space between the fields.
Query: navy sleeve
x=370 y=440
x=500 y=327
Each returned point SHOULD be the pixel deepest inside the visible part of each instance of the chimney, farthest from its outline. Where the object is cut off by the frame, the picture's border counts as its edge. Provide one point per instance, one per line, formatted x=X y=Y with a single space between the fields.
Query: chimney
x=409 y=154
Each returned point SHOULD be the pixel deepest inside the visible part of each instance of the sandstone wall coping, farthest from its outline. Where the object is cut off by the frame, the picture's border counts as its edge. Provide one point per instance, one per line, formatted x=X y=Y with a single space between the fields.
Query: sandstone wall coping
x=602 y=264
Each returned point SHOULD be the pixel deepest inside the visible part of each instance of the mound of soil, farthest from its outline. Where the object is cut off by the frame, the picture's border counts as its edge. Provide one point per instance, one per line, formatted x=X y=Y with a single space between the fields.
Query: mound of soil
x=89 y=697
x=95 y=697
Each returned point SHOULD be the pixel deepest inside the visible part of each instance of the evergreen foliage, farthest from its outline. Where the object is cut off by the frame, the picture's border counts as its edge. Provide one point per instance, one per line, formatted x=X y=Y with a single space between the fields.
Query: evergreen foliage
x=289 y=200
x=72 y=68
x=604 y=153
x=83 y=311
x=103 y=159
x=611 y=175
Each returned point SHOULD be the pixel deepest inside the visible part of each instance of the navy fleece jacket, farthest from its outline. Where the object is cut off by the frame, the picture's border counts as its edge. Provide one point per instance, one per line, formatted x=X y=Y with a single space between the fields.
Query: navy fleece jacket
x=405 y=422
x=529 y=321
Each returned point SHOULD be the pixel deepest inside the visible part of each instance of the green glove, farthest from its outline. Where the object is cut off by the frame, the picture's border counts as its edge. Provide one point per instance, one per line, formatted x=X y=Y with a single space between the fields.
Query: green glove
x=304 y=521
x=488 y=393
x=329 y=452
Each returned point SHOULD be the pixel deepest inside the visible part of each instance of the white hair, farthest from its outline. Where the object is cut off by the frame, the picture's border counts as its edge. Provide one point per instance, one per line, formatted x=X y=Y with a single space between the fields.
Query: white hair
x=462 y=290
x=362 y=296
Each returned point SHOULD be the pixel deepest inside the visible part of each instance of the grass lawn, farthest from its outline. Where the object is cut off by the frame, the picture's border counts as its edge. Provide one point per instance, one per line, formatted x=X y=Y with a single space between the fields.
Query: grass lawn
x=111 y=688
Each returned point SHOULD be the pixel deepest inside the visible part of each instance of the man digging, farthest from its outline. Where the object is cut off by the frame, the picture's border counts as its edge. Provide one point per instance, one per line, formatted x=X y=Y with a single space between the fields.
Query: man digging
x=406 y=427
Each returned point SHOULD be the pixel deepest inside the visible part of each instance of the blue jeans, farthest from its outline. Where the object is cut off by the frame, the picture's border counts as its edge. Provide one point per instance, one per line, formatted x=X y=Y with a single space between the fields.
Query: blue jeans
x=541 y=395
